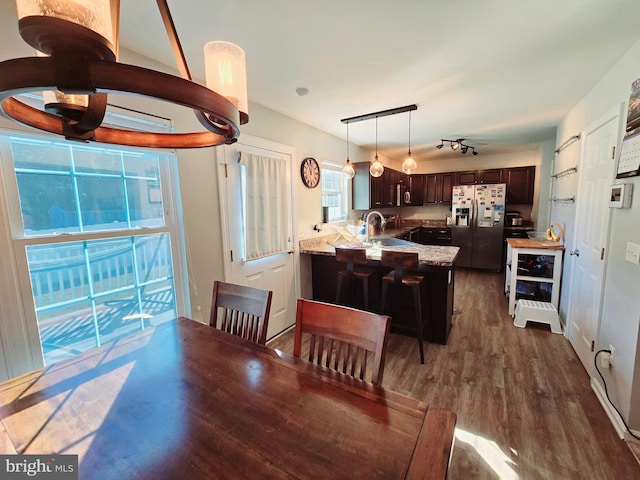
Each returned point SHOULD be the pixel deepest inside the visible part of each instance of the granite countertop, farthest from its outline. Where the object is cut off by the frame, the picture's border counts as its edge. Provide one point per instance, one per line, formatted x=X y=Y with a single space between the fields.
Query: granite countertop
x=435 y=255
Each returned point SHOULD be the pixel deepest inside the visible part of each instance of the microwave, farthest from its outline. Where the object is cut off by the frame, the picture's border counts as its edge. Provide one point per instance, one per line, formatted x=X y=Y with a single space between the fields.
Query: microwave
x=621 y=195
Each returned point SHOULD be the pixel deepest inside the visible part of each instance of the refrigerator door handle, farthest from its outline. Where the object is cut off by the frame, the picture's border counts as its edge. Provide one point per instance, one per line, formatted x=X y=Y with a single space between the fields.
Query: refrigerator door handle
x=474 y=215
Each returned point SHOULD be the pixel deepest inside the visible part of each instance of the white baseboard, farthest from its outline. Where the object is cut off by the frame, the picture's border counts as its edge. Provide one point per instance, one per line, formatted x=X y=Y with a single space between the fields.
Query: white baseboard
x=614 y=417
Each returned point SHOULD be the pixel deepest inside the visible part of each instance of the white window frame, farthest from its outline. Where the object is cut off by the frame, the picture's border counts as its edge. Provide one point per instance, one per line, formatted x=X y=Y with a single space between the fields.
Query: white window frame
x=19 y=331
x=328 y=165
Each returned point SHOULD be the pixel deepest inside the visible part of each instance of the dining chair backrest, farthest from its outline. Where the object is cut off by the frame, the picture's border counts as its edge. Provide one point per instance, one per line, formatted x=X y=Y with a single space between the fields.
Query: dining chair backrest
x=344 y=339
x=243 y=311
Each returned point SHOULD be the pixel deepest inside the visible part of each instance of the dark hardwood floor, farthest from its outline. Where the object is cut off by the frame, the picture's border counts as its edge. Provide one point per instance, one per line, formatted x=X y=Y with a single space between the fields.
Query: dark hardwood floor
x=524 y=404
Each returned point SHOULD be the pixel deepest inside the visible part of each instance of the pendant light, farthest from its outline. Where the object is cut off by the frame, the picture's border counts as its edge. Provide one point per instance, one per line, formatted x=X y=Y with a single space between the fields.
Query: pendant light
x=376 y=169
x=409 y=165
x=348 y=170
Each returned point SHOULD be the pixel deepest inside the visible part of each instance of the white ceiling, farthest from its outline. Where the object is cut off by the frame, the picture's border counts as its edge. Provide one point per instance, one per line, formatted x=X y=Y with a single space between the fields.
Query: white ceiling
x=500 y=73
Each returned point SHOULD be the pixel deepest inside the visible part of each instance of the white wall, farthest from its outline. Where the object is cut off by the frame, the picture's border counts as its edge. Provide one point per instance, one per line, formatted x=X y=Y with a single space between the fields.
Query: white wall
x=621 y=305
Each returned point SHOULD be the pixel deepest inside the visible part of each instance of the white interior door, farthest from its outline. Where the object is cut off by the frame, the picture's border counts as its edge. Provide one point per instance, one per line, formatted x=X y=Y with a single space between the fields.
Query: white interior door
x=592 y=231
x=275 y=272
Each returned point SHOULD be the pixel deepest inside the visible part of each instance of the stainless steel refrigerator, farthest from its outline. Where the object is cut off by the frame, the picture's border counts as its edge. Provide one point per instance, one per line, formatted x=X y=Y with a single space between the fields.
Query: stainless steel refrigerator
x=477 y=225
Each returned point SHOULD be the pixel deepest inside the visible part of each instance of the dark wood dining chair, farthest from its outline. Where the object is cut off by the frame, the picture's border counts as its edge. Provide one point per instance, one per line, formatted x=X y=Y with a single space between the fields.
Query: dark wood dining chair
x=244 y=311
x=344 y=339
x=353 y=261
x=402 y=275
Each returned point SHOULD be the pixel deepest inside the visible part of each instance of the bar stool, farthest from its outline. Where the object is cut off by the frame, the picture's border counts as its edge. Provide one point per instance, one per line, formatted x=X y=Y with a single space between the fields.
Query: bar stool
x=354 y=258
x=400 y=261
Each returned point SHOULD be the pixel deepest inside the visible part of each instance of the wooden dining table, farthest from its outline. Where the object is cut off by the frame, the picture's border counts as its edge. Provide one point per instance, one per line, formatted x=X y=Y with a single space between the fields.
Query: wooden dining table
x=186 y=401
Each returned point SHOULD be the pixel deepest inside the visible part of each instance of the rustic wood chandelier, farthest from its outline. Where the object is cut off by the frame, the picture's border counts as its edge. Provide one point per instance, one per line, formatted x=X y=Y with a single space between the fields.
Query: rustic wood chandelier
x=76 y=67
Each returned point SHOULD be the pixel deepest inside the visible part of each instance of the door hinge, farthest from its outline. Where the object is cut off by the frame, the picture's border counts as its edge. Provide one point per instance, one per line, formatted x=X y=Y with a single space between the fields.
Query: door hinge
x=593 y=345
x=613 y=152
x=602 y=254
x=231 y=253
x=226 y=171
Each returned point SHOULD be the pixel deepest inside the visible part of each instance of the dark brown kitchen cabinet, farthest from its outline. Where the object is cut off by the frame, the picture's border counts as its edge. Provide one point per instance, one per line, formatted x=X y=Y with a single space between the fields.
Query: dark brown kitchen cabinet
x=414 y=186
x=520 y=184
x=490 y=176
x=467 y=178
x=438 y=188
x=391 y=178
x=367 y=191
x=480 y=176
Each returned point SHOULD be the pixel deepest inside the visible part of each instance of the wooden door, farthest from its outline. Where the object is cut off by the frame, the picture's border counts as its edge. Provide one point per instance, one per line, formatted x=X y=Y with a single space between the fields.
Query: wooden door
x=590 y=245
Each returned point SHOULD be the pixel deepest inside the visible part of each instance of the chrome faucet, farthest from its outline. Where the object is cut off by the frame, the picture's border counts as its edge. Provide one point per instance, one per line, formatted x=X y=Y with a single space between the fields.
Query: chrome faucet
x=366 y=223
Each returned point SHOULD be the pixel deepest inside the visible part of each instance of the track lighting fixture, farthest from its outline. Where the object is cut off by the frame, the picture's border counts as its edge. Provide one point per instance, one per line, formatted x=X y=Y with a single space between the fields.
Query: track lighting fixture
x=376 y=168
x=457 y=144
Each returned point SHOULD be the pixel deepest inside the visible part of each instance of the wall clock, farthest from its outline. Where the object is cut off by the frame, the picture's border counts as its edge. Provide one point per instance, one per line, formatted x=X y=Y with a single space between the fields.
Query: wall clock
x=310 y=172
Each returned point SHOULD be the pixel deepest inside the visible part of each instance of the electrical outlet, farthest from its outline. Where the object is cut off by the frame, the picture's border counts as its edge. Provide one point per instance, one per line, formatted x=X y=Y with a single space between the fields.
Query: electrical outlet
x=611 y=355
x=605 y=360
x=633 y=253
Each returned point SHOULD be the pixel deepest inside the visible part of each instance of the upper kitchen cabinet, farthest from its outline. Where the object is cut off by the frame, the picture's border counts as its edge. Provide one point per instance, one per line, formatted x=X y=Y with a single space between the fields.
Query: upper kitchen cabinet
x=490 y=176
x=438 y=187
x=391 y=179
x=467 y=178
x=520 y=184
x=412 y=193
x=476 y=177
x=367 y=191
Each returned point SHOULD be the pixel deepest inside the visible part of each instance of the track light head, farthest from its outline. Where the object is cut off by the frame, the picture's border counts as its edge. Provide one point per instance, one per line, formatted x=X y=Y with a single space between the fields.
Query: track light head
x=457 y=144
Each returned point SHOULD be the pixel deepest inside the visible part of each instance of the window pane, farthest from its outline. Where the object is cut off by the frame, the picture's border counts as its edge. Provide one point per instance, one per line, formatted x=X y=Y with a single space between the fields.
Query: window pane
x=92 y=292
x=47 y=203
x=102 y=203
x=113 y=190
x=334 y=193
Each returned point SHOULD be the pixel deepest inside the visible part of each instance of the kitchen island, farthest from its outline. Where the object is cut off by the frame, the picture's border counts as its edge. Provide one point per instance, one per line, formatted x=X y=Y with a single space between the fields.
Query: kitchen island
x=436 y=263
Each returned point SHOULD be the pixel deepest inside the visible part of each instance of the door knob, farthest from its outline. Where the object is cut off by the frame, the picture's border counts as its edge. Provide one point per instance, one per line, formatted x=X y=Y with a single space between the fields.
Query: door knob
x=575 y=252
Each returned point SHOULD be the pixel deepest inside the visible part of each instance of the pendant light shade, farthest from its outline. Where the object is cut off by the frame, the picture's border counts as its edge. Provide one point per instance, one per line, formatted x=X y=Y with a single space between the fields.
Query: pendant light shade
x=409 y=165
x=376 y=169
x=348 y=169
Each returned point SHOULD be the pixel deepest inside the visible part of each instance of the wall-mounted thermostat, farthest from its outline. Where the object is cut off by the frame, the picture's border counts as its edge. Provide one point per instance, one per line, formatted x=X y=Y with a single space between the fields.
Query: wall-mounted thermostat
x=621 y=195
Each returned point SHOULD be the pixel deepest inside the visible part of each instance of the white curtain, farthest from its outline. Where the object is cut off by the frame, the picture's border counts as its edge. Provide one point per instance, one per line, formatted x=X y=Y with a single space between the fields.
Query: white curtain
x=265 y=205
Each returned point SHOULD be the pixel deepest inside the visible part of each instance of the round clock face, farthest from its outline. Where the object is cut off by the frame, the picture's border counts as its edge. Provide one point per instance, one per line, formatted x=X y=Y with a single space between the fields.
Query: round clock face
x=310 y=172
